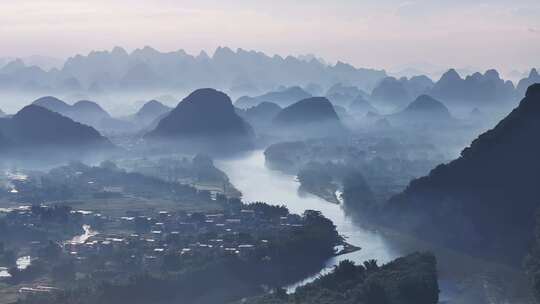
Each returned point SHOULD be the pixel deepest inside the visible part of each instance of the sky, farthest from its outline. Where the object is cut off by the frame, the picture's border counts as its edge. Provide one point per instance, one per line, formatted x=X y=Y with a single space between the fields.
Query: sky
x=389 y=34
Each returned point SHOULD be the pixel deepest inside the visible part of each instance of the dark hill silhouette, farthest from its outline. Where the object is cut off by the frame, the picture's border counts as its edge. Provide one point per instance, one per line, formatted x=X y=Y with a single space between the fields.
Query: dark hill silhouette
x=35 y=129
x=283 y=98
x=37 y=125
x=205 y=117
x=483 y=202
x=314 y=116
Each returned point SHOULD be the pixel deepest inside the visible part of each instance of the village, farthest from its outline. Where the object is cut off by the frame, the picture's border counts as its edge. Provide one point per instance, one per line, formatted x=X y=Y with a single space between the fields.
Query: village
x=94 y=246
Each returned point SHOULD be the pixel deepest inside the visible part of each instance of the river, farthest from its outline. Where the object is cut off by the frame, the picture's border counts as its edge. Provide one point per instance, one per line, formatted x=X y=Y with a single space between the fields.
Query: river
x=258 y=183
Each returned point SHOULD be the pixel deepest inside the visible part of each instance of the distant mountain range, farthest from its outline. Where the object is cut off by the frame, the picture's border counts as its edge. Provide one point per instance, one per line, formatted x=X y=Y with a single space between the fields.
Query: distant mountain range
x=252 y=73
x=483 y=202
x=476 y=90
x=146 y=68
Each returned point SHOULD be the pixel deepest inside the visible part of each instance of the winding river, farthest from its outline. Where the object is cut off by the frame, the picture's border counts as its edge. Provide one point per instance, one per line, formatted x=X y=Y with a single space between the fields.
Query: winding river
x=258 y=183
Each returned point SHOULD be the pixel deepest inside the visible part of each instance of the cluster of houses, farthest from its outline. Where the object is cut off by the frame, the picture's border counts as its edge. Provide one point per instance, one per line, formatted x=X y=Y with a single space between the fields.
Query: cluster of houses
x=148 y=239
x=142 y=242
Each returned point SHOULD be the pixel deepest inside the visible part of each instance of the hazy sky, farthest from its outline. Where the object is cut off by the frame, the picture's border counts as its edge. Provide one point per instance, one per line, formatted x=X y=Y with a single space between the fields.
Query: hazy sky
x=373 y=33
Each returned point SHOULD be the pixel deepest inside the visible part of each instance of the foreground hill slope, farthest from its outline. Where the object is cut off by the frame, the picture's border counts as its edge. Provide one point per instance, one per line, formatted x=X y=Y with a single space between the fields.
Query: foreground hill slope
x=485 y=200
